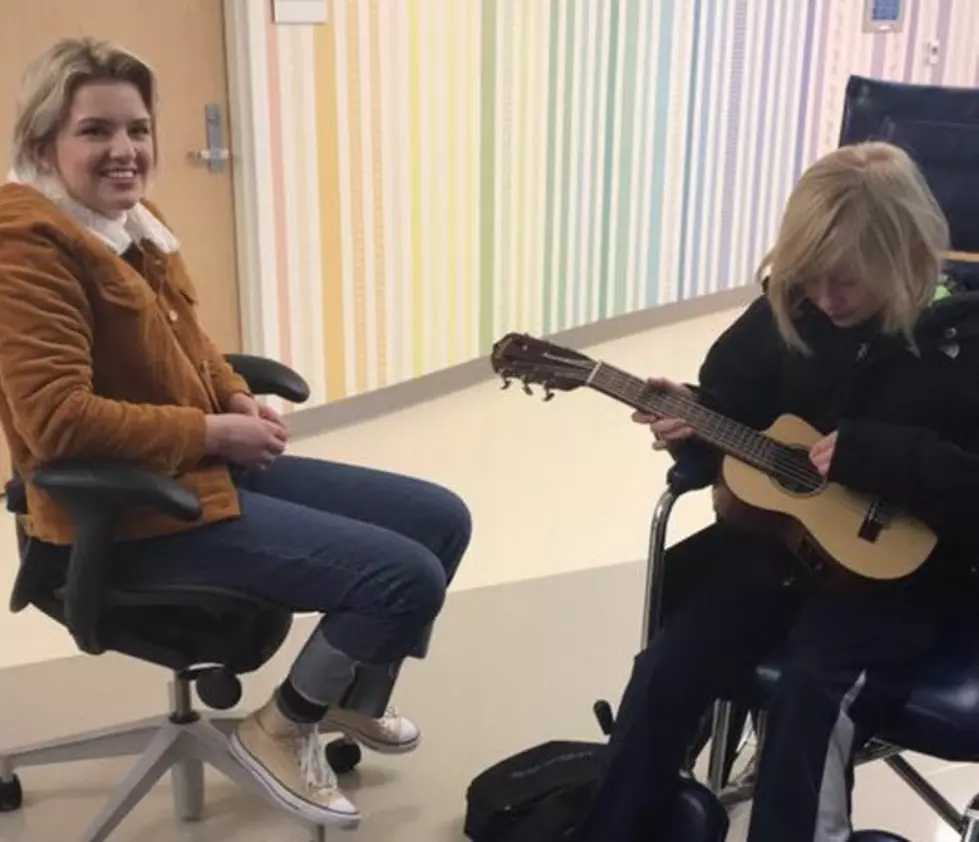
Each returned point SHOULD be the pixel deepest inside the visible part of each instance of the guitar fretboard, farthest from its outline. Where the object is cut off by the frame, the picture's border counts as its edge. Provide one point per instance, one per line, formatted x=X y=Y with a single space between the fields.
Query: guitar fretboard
x=731 y=437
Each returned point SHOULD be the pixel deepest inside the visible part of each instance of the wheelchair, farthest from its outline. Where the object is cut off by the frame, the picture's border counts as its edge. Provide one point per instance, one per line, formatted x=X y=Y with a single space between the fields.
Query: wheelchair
x=939 y=128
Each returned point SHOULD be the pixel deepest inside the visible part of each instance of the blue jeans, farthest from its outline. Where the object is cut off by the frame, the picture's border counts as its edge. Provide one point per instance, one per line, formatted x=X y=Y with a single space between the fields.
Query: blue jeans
x=371 y=551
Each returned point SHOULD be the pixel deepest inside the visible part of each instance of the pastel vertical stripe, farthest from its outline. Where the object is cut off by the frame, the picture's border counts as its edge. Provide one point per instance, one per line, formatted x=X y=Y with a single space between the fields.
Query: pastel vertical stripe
x=732 y=141
x=487 y=172
x=565 y=182
x=436 y=172
x=550 y=192
x=413 y=165
x=664 y=77
x=611 y=74
x=626 y=110
x=324 y=45
x=377 y=199
x=690 y=149
x=601 y=134
x=278 y=189
x=451 y=84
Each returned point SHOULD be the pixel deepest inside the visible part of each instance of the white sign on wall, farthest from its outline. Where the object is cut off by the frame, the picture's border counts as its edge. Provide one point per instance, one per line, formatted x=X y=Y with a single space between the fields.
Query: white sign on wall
x=299 y=11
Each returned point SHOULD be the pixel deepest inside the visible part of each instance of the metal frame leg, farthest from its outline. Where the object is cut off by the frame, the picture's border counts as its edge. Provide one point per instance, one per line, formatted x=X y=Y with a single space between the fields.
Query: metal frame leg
x=970 y=822
x=187 y=783
x=931 y=796
x=720 y=737
x=158 y=757
x=117 y=741
x=653 y=601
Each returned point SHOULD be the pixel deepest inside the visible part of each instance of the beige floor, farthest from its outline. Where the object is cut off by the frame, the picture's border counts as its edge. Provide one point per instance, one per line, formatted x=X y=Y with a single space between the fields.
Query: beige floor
x=492 y=686
x=561 y=495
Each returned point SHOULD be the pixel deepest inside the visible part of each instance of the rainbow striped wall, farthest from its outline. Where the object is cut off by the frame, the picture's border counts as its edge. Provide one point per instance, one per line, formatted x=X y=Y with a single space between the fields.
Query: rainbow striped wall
x=447 y=170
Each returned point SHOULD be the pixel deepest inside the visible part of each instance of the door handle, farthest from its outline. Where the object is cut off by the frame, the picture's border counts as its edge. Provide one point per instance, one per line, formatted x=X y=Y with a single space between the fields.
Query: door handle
x=216 y=155
x=212 y=156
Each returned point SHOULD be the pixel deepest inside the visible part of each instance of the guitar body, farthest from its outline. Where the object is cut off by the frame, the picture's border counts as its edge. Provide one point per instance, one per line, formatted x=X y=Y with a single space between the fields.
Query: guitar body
x=835 y=519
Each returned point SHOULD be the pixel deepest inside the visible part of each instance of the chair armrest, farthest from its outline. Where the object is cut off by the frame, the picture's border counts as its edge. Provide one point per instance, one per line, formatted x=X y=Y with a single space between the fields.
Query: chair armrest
x=95 y=492
x=87 y=484
x=270 y=377
x=695 y=468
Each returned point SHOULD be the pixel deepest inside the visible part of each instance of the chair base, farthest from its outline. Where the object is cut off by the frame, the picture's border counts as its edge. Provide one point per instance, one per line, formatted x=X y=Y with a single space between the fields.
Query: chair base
x=181 y=744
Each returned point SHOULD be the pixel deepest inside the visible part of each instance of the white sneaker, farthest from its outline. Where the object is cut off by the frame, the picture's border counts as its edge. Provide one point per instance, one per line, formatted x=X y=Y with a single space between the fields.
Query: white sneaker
x=289 y=761
x=391 y=733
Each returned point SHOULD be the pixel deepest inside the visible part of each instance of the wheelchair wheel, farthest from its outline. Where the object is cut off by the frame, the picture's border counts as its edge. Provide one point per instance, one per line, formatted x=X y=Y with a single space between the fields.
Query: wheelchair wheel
x=343 y=755
x=11 y=795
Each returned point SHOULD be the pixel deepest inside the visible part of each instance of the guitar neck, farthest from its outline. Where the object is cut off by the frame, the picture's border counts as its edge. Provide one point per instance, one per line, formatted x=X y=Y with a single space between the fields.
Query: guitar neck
x=729 y=436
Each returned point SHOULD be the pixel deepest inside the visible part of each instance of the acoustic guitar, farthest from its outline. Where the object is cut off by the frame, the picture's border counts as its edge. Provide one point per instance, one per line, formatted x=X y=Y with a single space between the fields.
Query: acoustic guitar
x=766 y=471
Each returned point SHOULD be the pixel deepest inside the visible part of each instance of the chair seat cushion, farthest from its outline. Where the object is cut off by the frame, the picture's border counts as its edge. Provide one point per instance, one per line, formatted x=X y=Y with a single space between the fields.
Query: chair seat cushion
x=182 y=627
x=941 y=715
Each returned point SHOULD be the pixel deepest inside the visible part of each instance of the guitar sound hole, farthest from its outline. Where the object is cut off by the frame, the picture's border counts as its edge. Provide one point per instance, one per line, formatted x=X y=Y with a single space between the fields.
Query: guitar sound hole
x=795 y=473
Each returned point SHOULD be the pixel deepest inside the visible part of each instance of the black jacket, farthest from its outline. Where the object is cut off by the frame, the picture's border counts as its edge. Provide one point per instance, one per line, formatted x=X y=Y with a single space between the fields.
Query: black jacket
x=907 y=416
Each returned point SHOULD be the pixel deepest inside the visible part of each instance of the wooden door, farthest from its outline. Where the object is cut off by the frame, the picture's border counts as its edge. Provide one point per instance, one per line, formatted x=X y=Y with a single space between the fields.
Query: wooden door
x=183 y=40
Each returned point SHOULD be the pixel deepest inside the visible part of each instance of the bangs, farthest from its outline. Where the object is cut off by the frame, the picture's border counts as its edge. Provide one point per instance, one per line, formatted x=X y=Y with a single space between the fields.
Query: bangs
x=861 y=214
x=858 y=243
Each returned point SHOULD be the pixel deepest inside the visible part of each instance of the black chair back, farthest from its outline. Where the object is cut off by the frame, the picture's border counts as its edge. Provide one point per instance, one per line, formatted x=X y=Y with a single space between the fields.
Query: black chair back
x=939 y=128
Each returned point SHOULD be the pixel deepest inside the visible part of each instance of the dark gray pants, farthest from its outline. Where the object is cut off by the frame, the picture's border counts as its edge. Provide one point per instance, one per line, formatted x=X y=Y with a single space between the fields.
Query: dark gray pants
x=742 y=604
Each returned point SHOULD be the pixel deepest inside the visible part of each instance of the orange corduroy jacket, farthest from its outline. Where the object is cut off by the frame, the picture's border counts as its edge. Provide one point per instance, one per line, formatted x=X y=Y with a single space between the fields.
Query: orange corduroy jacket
x=102 y=356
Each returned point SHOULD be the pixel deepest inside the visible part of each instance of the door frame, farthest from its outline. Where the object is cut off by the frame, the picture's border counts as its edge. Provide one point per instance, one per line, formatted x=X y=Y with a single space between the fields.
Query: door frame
x=245 y=30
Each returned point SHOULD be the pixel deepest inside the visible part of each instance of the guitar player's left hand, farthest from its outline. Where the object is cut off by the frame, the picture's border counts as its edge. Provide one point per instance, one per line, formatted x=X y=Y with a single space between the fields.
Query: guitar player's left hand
x=822 y=453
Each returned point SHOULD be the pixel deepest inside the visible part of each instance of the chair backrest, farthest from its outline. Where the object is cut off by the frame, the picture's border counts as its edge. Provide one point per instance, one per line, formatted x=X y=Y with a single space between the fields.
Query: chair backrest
x=939 y=128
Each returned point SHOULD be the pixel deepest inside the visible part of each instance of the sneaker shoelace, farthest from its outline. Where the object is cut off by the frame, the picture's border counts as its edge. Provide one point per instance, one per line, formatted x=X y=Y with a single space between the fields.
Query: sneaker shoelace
x=390 y=719
x=312 y=760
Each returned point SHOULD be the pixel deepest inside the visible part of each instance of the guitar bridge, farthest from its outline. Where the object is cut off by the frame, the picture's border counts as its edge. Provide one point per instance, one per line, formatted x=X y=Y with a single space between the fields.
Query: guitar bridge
x=877 y=518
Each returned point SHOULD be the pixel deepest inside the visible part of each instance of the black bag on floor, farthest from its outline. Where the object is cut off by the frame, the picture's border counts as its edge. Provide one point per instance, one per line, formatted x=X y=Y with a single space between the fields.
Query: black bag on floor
x=538 y=795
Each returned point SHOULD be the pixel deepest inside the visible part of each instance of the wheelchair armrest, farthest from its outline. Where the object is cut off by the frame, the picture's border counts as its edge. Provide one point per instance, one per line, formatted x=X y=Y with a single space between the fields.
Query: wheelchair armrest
x=94 y=492
x=695 y=468
x=270 y=377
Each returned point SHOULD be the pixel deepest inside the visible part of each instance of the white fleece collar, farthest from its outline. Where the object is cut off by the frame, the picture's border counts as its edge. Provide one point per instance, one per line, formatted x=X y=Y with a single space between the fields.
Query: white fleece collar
x=134 y=226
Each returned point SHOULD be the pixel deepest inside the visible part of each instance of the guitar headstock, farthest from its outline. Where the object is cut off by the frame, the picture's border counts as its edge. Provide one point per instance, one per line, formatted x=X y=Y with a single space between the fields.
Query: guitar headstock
x=518 y=356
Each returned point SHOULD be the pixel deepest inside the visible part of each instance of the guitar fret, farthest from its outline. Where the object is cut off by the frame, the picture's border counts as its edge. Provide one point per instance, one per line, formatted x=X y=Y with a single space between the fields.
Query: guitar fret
x=738 y=439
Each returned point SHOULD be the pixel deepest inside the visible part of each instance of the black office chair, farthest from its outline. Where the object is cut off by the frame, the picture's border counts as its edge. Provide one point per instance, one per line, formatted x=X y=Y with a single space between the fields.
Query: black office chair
x=207 y=637
x=939 y=127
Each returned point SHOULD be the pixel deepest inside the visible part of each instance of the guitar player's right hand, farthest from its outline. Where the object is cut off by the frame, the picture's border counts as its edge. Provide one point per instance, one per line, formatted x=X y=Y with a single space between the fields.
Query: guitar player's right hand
x=667 y=431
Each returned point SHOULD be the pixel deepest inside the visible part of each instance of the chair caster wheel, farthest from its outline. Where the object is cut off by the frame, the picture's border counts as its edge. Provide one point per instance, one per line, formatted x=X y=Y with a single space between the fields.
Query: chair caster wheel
x=11 y=795
x=343 y=755
x=218 y=688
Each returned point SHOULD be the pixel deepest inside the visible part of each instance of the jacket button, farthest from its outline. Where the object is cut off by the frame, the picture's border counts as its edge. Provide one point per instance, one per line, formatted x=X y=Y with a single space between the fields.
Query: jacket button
x=951 y=333
x=172 y=315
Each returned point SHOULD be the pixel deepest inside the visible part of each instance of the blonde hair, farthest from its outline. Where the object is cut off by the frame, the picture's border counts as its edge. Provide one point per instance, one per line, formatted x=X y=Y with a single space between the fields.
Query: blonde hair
x=51 y=81
x=863 y=212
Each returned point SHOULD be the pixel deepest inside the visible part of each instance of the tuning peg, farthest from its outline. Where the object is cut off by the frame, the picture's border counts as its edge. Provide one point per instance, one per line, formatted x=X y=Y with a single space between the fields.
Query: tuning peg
x=548 y=394
x=526 y=388
x=506 y=384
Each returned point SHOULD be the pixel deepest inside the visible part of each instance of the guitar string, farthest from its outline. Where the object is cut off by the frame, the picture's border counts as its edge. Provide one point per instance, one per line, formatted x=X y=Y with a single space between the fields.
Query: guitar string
x=760 y=449
x=632 y=390
x=763 y=453
x=767 y=450
x=807 y=478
